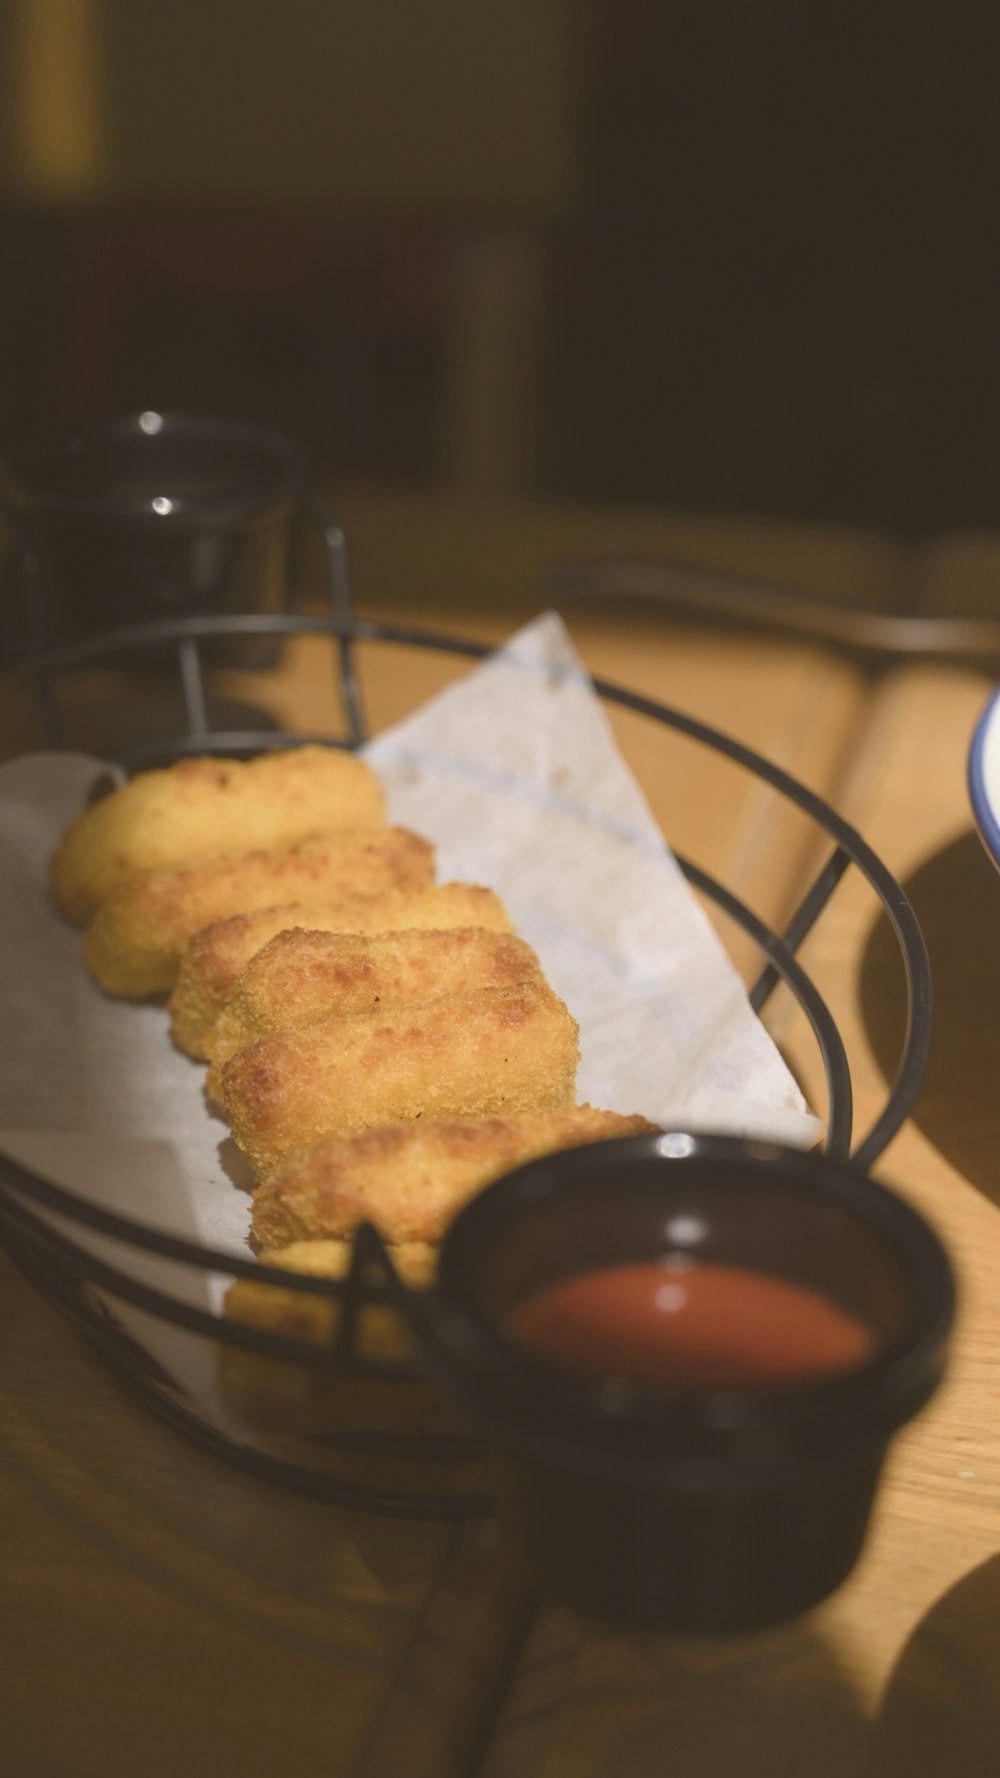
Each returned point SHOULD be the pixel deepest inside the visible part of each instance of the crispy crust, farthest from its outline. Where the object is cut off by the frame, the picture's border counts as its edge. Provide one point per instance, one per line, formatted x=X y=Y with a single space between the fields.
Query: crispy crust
x=494 y=1050
x=216 y=958
x=302 y=977
x=136 y=940
x=411 y=1179
x=201 y=807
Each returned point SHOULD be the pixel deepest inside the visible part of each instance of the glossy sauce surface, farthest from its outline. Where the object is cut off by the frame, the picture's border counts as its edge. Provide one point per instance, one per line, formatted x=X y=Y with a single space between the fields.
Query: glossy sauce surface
x=693 y=1326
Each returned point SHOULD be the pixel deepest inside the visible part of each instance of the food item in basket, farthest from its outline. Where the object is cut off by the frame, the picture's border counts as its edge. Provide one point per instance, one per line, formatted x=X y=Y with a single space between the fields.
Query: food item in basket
x=215 y=959
x=201 y=807
x=275 y=1392
x=493 y=1050
x=302 y=977
x=138 y=936
x=411 y=1179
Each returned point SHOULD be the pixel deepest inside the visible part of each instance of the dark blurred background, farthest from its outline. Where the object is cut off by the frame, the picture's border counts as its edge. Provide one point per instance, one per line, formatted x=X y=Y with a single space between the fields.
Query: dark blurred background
x=715 y=255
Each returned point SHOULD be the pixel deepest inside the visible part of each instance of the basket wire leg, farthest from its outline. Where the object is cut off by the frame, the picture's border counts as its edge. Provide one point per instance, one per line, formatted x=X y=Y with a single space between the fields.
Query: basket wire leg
x=193 y=687
x=801 y=923
x=339 y=589
x=835 y=1064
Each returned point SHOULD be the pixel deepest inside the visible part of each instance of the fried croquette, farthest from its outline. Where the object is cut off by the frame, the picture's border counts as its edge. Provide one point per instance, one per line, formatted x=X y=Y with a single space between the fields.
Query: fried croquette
x=214 y=961
x=276 y=1392
x=135 y=941
x=201 y=807
x=492 y=1050
x=301 y=977
x=411 y=1179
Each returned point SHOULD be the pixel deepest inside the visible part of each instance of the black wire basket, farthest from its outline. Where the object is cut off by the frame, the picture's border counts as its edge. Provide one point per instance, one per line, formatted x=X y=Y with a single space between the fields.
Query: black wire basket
x=402 y=1453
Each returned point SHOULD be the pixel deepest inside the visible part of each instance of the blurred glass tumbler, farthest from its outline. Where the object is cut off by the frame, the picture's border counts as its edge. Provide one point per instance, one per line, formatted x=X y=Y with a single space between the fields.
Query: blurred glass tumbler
x=152 y=515
x=690 y=1509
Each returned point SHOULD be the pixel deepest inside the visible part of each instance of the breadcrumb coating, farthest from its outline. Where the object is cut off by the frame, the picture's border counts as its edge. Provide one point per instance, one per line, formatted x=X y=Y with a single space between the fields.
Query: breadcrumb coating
x=302 y=977
x=136 y=940
x=493 y=1050
x=201 y=807
x=411 y=1179
x=215 y=959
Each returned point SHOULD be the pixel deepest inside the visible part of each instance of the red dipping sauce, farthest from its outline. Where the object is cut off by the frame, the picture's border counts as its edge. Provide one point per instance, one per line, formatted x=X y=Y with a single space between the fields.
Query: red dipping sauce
x=690 y=1327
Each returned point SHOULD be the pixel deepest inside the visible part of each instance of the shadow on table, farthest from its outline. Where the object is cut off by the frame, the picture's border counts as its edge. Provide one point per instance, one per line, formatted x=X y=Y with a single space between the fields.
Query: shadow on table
x=775 y=1705
x=779 y=1705
x=956 y=898
x=941 y=1710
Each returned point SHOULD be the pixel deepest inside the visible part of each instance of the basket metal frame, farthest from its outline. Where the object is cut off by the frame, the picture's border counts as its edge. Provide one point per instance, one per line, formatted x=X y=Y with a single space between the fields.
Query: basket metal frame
x=67 y=1274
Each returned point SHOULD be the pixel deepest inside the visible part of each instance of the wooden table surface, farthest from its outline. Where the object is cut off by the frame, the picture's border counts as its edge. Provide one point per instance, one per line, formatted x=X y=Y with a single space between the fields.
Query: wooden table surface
x=163 y=1613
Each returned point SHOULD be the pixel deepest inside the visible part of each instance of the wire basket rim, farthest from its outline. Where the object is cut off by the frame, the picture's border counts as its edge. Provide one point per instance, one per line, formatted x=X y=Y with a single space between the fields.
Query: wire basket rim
x=344 y=630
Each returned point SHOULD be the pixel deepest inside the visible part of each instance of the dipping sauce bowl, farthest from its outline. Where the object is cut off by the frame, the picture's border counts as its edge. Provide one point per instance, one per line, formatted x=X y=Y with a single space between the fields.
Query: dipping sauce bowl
x=689 y=1354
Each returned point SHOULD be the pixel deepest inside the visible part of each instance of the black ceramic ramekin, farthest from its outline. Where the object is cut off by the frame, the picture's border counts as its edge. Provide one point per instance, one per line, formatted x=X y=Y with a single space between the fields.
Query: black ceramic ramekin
x=686 y=1510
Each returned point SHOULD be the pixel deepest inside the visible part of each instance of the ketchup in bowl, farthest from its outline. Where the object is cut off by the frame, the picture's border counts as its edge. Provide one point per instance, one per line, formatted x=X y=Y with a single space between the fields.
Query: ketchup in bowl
x=690 y=1326
x=689 y=1355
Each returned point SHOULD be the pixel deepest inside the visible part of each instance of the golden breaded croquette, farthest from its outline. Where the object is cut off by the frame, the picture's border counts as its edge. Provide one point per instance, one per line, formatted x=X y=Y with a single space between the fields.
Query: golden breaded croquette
x=276 y=1392
x=301 y=977
x=215 y=959
x=201 y=807
x=411 y=1179
x=135 y=941
x=493 y=1050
